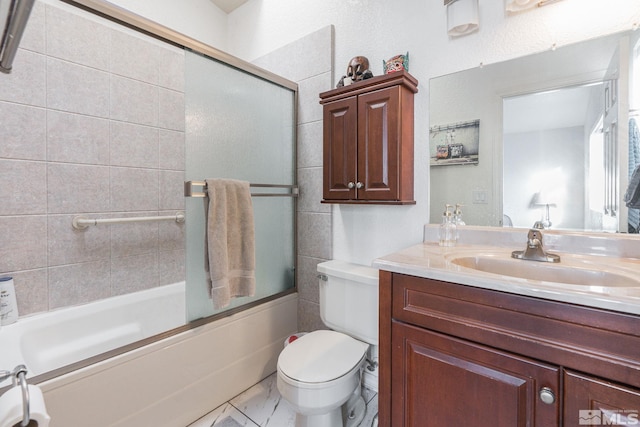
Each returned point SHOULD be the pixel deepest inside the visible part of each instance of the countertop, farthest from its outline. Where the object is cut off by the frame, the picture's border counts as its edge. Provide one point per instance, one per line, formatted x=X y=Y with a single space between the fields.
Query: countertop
x=429 y=260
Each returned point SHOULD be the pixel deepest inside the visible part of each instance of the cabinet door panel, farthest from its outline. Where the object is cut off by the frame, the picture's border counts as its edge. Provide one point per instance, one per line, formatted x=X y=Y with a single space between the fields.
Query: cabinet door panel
x=591 y=401
x=501 y=390
x=339 y=152
x=378 y=144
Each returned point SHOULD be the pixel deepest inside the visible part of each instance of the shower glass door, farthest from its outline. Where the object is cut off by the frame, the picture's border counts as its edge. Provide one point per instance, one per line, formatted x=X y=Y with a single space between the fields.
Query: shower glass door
x=240 y=126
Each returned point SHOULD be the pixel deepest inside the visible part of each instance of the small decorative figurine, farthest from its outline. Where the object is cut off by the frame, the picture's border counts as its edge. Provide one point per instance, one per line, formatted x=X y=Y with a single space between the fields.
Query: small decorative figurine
x=357 y=70
x=397 y=63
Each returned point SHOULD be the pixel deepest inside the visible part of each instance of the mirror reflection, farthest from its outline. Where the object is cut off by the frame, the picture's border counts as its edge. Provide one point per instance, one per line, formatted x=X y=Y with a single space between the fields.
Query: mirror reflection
x=553 y=138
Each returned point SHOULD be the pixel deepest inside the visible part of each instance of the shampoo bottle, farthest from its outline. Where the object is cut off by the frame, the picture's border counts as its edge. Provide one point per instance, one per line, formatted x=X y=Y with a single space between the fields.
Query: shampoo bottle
x=448 y=232
x=8 y=302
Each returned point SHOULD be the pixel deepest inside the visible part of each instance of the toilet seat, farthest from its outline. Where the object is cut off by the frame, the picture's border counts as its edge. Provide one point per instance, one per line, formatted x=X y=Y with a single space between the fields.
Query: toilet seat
x=321 y=356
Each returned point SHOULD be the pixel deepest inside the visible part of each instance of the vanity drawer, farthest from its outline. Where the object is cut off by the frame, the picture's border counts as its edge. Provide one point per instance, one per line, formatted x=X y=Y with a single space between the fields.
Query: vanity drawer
x=601 y=342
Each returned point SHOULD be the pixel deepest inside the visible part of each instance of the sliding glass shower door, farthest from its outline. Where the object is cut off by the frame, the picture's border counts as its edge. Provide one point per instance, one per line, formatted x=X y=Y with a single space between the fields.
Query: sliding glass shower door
x=240 y=126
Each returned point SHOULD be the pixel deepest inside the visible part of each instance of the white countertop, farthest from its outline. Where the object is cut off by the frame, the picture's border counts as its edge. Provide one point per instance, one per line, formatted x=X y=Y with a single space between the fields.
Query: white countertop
x=429 y=260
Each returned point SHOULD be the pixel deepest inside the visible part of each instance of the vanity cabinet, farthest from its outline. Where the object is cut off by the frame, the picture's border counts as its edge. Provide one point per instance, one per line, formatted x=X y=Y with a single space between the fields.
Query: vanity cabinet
x=454 y=355
x=368 y=141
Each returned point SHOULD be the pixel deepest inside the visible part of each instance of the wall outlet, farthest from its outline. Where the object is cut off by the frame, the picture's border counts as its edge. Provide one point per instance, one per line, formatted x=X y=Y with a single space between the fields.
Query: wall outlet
x=479 y=197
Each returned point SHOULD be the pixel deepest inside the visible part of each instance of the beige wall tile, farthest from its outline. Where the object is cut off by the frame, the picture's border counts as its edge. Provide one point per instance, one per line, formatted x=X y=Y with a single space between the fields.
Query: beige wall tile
x=32 y=291
x=172 y=150
x=77 y=188
x=75 y=138
x=309 y=109
x=78 y=283
x=171 y=110
x=66 y=245
x=171 y=72
x=310 y=182
x=24 y=243
x=135 y=273
x=171 y=267
x=134 y=57
x=34 y=33
x=134 y=189
x=133 y=101
x=172 y=235
x=172 y=190
x=314 y=235
x=134 y=238
x=77 y=88
x=77 y=39
x=27 y=81
x=134 y=145
x=23 y=188
x=23 y=132
x=307 y=278
x=310 y=144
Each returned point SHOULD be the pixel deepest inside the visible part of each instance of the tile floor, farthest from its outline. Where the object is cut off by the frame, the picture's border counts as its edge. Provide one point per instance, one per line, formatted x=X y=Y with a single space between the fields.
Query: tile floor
x=262 y=406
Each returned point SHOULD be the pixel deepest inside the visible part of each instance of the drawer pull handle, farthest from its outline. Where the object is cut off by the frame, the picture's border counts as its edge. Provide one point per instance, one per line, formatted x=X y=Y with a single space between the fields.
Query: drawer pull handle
x=547 y=395
x=350 y=185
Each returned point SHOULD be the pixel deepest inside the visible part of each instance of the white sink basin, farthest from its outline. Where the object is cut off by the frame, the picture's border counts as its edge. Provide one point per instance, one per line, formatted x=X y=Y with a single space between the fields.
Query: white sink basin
x=588 y=273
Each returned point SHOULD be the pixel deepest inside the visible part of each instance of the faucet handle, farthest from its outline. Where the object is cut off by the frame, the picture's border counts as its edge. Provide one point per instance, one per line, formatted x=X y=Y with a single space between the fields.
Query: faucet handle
x=538 y=225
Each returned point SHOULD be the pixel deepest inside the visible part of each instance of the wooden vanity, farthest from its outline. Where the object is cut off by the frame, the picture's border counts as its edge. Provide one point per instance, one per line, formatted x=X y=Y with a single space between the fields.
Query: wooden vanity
x=459 y=355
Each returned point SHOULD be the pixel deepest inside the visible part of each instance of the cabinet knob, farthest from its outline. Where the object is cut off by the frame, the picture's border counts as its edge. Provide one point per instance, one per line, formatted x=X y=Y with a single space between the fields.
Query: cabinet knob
x=547 y=395
x=359 y=185
x=350 y=184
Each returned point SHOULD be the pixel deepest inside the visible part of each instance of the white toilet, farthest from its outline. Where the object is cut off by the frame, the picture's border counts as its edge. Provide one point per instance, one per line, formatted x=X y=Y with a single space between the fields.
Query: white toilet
x=320 y=373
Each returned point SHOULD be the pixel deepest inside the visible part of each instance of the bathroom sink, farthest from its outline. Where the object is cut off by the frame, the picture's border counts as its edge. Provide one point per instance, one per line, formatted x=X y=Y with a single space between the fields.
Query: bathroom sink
x=575 y=271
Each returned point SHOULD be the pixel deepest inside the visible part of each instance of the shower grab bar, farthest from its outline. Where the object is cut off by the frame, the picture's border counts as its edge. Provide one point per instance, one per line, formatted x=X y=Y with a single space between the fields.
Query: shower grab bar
x=189 y=191
x=81 y=223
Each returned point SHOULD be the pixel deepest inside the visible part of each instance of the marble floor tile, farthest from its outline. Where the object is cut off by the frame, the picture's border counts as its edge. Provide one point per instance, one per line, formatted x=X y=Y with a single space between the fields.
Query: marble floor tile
x=224 y=416
x=262 y=406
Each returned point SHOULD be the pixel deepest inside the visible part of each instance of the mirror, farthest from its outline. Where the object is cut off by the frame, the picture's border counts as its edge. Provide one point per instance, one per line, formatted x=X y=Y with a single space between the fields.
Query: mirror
x=550 y=138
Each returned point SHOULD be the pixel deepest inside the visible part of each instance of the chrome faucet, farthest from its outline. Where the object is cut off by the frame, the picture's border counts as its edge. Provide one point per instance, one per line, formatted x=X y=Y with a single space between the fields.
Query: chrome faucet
x=534 y=250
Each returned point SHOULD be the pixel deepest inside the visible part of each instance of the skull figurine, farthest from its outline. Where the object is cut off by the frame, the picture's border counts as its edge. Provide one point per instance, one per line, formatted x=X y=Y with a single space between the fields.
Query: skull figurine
x=358 y=68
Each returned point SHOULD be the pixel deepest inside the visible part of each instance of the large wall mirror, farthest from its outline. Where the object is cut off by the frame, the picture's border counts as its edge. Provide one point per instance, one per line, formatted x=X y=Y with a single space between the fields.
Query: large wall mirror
x=552 y=143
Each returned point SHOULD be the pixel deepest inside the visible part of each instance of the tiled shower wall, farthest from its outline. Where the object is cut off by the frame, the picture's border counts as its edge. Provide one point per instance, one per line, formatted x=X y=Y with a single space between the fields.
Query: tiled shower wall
x=309 y=62
x=92 y=121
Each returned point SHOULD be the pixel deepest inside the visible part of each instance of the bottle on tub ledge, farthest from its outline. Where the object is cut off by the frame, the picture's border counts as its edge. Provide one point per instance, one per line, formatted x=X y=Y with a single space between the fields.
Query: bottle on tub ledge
x=8 y=302
x=448 y=233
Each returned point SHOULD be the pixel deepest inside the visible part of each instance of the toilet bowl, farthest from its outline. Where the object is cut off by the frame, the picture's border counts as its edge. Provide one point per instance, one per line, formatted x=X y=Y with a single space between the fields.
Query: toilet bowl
x=320 y=373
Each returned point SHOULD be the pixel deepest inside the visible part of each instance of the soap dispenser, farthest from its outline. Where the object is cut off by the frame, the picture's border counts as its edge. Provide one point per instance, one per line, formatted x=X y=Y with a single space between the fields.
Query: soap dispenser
x=448 y=231
x=457 y=215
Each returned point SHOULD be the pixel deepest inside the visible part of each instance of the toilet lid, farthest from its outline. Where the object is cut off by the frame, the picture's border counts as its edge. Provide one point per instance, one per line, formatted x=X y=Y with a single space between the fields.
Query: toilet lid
x=321 y=356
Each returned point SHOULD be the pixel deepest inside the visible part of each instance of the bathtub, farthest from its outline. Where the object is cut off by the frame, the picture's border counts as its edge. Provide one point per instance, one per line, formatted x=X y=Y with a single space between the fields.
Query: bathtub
x=52 y=340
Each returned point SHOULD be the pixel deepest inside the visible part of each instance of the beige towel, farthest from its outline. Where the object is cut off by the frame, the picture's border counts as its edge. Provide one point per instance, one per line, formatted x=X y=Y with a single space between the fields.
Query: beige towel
x=230 y=243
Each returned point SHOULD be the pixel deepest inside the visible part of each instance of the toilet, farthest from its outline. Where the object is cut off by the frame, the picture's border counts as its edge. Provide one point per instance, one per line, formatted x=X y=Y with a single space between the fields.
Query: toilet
x=320 y=373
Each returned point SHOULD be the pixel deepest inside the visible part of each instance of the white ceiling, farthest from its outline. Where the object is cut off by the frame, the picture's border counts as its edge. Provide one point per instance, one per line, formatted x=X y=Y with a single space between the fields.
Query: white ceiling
x=229 y=5
x=548 y=110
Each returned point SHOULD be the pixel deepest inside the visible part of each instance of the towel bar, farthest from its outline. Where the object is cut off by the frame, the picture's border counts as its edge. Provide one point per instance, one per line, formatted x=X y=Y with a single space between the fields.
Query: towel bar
x=189 y=191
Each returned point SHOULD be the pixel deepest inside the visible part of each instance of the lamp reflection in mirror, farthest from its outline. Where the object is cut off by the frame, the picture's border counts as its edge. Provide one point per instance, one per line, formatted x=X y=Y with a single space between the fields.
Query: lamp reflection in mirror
x=462 y=17
x=514 y=6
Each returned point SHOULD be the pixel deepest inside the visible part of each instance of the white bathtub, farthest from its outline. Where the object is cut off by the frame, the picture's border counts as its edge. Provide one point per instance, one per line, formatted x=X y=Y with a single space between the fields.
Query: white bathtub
x=54 y=339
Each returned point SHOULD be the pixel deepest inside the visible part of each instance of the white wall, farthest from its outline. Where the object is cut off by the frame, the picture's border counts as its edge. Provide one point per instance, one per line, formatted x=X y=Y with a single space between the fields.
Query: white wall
x=199 y=19
x=380 y=30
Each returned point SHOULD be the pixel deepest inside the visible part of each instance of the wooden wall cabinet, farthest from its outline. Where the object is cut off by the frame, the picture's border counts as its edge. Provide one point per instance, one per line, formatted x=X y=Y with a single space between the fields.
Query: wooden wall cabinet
x=368 y=141
x=453 y=355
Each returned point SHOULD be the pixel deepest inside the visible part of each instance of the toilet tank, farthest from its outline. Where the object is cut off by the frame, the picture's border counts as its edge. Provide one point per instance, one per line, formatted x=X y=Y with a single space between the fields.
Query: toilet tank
x=349 y=299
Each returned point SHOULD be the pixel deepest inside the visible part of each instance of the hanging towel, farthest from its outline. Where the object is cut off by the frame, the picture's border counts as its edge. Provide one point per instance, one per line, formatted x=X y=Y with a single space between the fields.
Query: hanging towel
x=230 y=241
